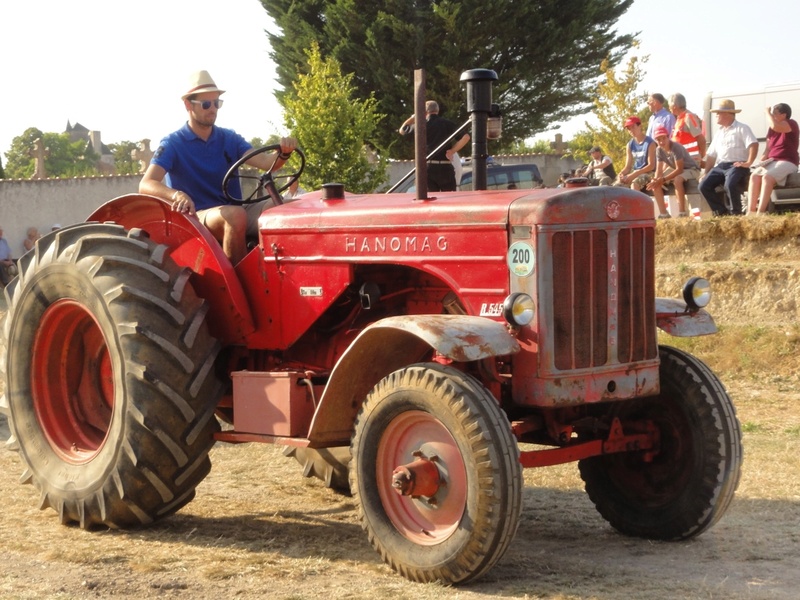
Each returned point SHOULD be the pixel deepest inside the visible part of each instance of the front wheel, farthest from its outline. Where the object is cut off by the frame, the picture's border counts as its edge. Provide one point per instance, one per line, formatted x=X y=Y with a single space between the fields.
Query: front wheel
x=687 y=486
x=435 y=474
x=110 y=386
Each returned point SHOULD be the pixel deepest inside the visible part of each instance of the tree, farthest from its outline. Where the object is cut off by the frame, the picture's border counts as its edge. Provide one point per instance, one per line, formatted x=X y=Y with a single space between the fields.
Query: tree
x=334 y=129
x=2 y=172
x=64 y=158
x=546 y=53
x=124 y=164
x=616 y=100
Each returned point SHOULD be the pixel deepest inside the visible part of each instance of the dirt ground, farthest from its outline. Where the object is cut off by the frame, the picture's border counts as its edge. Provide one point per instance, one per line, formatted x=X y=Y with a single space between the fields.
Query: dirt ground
x=258 y=529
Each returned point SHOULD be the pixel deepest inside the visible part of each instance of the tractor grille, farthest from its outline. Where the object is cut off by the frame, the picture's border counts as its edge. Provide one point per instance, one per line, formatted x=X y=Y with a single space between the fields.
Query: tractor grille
x=604 y=297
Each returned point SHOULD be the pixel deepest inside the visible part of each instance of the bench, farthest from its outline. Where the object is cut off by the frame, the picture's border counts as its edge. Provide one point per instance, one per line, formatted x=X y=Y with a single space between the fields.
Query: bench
x=783 y=197
x=786 y=195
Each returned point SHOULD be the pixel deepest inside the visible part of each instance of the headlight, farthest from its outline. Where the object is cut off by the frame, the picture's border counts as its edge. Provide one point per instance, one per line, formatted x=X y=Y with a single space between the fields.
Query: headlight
x=518 y=309
x=697 y=293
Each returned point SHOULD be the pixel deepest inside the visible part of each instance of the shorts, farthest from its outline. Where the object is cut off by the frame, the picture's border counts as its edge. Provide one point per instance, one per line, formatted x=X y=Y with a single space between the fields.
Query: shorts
x=253 y=213
x=687 y=173
x=779 y=170
x=639 y=183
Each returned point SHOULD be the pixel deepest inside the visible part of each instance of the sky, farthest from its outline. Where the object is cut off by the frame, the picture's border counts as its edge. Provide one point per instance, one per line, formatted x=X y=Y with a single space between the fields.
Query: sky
x=120 y=68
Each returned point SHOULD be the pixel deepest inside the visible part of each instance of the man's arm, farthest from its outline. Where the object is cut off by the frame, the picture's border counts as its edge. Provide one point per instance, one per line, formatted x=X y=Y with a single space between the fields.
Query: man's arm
x=266 y=161
x=457 y=146
x=702 y=145
x=152 y=183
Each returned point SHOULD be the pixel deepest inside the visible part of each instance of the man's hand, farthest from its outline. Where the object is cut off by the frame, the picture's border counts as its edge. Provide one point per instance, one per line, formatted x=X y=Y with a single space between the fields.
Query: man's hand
x=182 y=203
x=288 y=145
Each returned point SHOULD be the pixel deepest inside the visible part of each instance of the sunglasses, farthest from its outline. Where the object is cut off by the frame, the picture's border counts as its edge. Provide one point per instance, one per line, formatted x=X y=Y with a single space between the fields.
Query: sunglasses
x=206 y=104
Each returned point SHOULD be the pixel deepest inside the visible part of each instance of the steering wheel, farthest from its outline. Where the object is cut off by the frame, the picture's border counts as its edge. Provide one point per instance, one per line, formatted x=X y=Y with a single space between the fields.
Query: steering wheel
x=254 y=187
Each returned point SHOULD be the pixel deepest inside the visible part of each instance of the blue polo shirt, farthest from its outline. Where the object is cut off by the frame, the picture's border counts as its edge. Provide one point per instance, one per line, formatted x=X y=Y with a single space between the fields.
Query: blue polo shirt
x=198 y=166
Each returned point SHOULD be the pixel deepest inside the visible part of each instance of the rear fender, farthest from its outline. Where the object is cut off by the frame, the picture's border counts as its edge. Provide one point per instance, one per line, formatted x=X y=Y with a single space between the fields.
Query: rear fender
x=192 y=246
x=674 y=317
x=391 y=344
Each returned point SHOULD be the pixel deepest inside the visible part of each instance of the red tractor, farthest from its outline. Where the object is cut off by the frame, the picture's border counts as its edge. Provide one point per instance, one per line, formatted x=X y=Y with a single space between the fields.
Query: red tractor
x=401 y=348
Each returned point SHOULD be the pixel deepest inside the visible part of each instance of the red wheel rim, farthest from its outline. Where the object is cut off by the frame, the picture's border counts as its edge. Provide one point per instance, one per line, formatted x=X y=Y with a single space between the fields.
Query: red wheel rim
x=416 y=518
x=72 y=381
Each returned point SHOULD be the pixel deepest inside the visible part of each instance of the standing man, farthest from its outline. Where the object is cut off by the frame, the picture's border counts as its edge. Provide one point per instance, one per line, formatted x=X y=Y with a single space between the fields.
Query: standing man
x=194 y=161
x=6 y=260
x=688 y=130
x=674 y=165
x=660 y=116
x=734 y=150
x=640 y=157
x=441 y=173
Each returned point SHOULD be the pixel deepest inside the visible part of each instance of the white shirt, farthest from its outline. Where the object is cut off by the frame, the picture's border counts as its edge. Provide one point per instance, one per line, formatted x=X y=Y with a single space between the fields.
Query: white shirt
x=731 y=143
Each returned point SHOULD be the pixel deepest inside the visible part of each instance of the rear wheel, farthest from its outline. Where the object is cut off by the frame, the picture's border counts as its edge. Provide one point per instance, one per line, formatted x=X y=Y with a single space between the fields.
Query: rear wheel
x=690 y=482
x=436 y=474
x=110 y=387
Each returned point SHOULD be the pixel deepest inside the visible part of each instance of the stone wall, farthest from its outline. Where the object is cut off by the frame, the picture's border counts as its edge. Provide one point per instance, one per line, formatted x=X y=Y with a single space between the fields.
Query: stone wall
x=44 y=202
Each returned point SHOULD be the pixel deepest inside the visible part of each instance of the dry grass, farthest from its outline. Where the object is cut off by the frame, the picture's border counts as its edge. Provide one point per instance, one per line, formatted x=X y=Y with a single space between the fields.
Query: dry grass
x=257 y=529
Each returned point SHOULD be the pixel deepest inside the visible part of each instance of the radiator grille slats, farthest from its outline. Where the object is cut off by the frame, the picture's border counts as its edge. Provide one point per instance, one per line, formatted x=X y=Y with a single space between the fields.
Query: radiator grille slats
x=603 y=297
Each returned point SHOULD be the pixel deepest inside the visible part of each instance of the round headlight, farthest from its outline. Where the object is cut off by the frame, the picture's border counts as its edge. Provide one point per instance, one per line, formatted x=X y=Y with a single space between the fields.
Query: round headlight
x=518 y=309
x=697 y=293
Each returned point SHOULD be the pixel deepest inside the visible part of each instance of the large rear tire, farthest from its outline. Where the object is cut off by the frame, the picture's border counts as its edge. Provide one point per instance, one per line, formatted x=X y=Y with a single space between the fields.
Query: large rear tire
x=110 y=386
x=461 y=526
x=690 y=482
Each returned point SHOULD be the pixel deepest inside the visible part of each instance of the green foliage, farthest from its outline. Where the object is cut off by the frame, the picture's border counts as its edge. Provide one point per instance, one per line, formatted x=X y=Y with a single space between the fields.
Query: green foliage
x=124 y=164
x=2 y=171
x=580 y=144
x=546 y=54
x=63 y=158
x=617 y=99
x=334 y=129
x=522 y=147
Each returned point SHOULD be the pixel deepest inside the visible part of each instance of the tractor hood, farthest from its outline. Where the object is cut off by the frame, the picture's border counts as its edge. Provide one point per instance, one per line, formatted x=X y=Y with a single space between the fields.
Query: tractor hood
x=458 y=209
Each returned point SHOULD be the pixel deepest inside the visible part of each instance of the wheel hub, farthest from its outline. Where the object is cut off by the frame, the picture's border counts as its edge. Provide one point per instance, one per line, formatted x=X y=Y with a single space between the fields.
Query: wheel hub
x=418 y=478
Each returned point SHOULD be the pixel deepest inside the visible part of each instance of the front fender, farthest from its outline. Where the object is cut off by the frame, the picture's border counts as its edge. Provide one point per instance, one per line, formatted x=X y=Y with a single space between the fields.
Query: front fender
x=191 y=245
x=391 y=344
x=674 y=317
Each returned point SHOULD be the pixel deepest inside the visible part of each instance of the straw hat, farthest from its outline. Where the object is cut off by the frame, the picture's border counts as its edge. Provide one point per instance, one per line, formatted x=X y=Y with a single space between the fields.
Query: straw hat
x=726 y=106
x=199 y=83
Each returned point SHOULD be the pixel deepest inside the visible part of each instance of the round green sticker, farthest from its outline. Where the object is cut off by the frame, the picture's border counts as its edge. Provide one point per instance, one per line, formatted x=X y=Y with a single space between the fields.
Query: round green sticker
x=521 y=259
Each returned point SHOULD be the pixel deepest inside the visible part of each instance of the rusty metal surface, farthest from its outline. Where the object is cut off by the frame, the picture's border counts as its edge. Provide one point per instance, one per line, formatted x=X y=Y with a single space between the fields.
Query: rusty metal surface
x=674 y=317
x=394 y=343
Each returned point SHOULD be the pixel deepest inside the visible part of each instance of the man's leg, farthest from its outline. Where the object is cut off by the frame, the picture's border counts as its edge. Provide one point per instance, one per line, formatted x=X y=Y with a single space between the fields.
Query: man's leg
x=658 y=196
x=708 y=189
x=227 y=224
x=680 y=193
x=734 y=178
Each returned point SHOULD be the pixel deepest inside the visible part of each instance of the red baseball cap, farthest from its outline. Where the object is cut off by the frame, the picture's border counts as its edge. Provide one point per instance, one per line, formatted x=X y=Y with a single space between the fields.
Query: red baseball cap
x=632 y=121
x=659 y=131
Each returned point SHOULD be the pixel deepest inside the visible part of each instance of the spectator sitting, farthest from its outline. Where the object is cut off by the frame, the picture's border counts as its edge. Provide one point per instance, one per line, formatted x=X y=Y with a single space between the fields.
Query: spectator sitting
x=660 y=116
x=7 y=267
x=640 y=157
x=673 y=165
x=600 y=170
x=30 y=240
x=688 y=130
x=780 y=158
x=734 y=149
